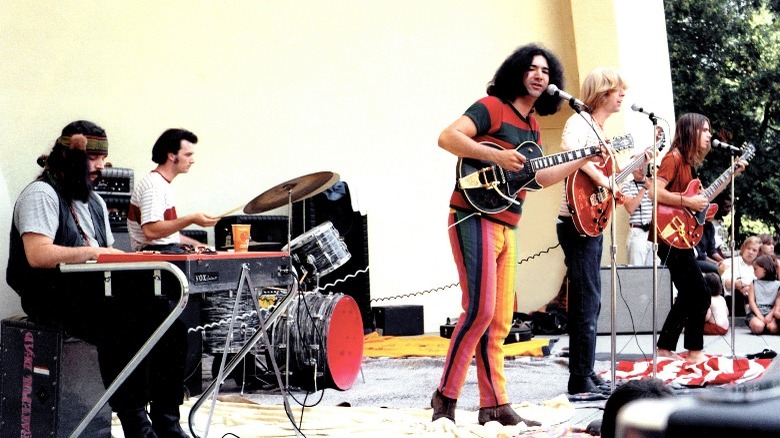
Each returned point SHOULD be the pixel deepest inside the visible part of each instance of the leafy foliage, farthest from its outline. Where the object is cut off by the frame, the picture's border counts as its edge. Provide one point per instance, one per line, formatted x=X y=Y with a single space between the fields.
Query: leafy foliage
x=725 y=61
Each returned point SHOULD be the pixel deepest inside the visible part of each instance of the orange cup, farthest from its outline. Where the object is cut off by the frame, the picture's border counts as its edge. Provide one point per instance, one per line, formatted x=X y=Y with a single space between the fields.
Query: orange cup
x=241 y=237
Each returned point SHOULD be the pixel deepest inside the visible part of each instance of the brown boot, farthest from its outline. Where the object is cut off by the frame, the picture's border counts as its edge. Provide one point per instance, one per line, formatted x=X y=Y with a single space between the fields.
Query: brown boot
x=443 y=406
x=504 y=414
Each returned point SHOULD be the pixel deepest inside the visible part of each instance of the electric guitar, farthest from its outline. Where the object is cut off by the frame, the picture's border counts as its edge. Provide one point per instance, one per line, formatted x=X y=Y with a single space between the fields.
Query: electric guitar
x=590 y=205
x=491 y=189
x=680 y=227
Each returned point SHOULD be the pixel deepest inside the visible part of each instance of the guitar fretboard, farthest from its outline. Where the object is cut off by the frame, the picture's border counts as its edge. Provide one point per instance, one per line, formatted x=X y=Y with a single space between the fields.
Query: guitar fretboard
x=562 y=157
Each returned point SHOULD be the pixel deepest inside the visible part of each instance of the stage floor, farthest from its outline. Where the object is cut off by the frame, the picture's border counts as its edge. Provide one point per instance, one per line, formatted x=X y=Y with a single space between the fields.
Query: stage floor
x=395 y=393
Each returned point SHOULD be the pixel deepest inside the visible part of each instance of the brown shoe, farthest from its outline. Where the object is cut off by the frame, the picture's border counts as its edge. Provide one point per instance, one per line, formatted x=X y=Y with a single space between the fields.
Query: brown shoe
x=443 y=406
x=504 y=414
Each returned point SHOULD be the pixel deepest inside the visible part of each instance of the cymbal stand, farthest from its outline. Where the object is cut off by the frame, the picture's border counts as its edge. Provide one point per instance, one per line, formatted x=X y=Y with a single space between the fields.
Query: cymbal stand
x=226 y=369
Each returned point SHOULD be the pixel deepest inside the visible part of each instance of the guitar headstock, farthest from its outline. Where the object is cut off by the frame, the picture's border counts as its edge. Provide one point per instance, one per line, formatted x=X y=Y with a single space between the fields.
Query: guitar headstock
x=622 y=142
x=660 y=139
x=748 y=151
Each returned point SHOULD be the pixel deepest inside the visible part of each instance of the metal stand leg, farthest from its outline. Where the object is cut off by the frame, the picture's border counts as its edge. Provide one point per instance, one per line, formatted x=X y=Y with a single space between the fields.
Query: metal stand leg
x=226 y=369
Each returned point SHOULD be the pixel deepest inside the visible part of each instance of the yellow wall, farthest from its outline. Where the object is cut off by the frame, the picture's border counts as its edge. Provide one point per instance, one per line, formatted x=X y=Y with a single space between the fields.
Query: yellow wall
x=276 y=90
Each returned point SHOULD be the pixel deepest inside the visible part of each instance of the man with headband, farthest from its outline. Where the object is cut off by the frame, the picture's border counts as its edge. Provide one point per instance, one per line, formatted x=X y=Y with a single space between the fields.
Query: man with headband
x=58 y=218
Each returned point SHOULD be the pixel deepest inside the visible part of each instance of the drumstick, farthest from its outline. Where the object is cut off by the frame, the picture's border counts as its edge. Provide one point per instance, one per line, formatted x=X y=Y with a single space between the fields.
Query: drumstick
x=230 y=211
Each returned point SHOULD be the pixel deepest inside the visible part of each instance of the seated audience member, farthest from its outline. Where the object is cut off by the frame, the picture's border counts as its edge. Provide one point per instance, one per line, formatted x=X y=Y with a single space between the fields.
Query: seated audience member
x=707 y=254
x=743 y=273
x=764 y=306
x=722 y=231
x=626 y=393
x=717 y=319
x=768 y=247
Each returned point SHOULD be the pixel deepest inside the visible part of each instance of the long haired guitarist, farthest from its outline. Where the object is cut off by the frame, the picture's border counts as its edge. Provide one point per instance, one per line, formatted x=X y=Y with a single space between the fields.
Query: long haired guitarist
x=602 y=91
x=484 y=245
x=690 y=145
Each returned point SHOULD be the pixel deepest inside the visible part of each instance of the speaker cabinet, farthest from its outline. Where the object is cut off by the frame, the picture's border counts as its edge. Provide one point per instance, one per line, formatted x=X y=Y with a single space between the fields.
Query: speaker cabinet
x=403 y=320
x=48 y=384
x=634 y=293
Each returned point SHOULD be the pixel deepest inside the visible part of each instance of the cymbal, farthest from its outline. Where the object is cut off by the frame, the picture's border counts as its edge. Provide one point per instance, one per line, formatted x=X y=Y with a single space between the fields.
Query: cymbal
x=297 y=189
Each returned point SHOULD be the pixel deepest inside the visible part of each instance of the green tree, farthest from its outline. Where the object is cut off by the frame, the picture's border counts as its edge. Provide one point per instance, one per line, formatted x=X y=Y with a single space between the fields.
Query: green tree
x=725 y=62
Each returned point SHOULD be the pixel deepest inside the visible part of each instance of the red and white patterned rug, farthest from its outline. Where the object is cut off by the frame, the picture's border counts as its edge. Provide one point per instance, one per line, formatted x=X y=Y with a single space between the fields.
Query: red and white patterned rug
x=716 y=370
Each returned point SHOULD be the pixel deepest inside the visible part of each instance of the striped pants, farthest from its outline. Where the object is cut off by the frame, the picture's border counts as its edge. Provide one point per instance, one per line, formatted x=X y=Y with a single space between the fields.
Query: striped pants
x=485 y=253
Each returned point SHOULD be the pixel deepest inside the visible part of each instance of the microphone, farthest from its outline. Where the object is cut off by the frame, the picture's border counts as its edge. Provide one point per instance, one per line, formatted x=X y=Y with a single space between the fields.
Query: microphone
x=557 y=92
x=638 y=108
x=720 y=144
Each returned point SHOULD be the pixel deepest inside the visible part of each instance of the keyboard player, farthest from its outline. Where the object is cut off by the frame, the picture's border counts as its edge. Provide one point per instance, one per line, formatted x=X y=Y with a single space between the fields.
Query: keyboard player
x=59 y=219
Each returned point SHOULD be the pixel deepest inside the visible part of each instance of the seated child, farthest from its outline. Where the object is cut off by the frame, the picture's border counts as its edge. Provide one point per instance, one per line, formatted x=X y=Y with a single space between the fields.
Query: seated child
x=717 y=320
x=764 y=307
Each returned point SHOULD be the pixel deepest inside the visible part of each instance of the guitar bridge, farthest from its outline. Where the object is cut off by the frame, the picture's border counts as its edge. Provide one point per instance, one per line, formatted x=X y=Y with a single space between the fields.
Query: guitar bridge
x=485 y=178
x=675 y=226
x=599 y=196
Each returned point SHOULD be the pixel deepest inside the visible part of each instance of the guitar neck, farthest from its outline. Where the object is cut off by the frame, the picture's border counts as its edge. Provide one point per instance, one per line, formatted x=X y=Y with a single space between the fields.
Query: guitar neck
x=709 y=192
x=634 y=165
x=562 y=157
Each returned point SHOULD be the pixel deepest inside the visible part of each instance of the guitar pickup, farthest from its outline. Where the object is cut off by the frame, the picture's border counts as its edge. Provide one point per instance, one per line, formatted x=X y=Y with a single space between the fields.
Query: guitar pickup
x=599 y=196
x=484 y=178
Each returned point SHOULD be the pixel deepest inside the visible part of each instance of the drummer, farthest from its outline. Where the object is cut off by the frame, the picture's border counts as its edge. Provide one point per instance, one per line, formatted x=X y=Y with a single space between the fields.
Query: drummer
x=152 y=222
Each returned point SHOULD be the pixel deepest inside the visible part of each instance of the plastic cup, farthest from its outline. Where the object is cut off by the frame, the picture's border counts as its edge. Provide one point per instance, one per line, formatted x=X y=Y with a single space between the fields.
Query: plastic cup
x=241 y=237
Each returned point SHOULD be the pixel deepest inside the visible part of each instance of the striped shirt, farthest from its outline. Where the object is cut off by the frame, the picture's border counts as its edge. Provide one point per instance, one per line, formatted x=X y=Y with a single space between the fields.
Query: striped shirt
x=643 y=214
x=498 y=122
x=151 y=201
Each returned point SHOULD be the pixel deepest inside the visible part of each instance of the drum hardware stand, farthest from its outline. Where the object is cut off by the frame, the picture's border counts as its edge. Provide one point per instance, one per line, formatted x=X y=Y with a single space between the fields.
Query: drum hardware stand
x=226 y=369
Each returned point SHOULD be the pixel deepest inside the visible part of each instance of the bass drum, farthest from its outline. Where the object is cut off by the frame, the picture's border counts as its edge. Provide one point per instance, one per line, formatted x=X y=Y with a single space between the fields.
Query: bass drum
x=324 y=337
x=216 y=316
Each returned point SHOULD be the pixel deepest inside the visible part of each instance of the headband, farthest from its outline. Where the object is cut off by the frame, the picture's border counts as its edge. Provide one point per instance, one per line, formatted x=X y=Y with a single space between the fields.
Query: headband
x=89 y=143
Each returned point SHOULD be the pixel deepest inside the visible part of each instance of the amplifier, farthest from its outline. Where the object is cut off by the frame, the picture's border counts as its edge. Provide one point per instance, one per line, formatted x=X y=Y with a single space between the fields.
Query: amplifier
x=405 y=320
x=634 y=293
x=115 y=186
x=48 y=383
x=115 y=180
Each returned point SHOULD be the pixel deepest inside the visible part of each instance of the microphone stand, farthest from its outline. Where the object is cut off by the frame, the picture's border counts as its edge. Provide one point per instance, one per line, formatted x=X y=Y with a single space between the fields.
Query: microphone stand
x=732 y=247
x=654 y=230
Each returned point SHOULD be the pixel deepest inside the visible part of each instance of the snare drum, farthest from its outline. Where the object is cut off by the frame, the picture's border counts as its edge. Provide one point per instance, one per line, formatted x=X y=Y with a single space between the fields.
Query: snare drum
x=324 y=335
x=321 y=248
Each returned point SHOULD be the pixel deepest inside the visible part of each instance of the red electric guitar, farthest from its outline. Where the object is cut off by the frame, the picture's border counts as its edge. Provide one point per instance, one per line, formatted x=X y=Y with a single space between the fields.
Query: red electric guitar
x=591 y=205
x=682 y=228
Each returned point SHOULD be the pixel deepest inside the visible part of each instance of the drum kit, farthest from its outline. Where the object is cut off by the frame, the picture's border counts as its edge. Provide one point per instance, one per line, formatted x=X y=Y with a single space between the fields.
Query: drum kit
x=318 y=338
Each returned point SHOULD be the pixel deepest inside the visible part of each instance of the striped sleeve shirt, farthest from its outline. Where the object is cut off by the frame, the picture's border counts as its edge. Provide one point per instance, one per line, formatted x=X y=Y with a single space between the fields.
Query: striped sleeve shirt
x=152 y=201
